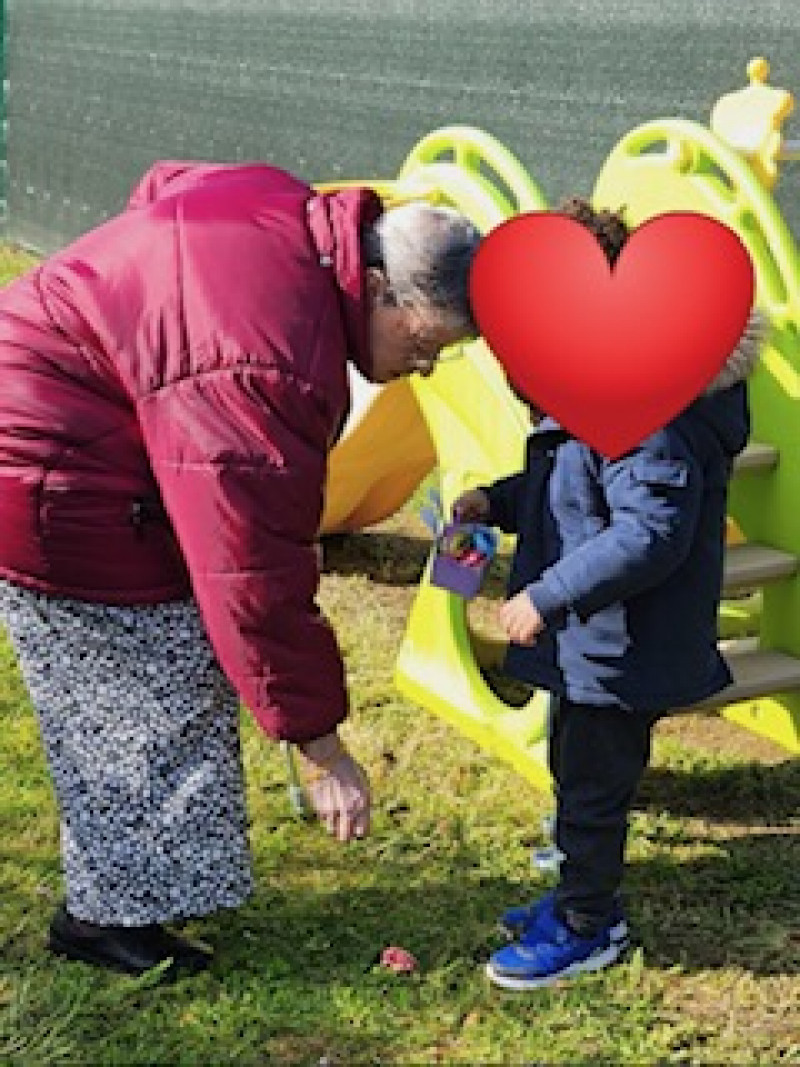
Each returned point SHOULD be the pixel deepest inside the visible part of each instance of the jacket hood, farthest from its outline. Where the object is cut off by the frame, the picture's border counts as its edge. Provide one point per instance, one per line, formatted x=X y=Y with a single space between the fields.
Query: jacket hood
x=722 y=409
x=742 y=361
x=336 y=221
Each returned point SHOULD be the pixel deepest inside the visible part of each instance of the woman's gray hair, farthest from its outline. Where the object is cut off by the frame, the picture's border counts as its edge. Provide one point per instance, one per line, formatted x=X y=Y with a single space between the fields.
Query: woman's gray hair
x=426 y=252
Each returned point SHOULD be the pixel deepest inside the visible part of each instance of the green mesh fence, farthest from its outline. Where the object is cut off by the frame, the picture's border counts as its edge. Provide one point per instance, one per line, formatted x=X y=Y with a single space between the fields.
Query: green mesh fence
x=95 y=90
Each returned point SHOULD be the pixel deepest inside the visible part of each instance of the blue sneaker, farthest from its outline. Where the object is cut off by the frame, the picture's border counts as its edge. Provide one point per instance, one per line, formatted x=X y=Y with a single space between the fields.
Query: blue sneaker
x=517 y=921
x=549 y=951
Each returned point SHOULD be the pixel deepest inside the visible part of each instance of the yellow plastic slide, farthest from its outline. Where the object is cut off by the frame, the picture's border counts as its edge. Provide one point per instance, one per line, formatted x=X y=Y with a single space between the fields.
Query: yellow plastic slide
x=382 y=456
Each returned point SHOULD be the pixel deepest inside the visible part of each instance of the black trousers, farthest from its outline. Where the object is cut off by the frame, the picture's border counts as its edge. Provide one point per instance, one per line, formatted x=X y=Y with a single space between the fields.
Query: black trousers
x=597 y=757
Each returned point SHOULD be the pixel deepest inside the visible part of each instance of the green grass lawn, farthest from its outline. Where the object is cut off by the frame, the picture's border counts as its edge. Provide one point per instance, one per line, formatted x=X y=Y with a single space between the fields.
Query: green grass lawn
x=713 y=893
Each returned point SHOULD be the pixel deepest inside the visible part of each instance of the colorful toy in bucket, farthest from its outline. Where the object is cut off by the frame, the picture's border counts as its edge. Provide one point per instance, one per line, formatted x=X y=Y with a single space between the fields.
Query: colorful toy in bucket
x=464 y=552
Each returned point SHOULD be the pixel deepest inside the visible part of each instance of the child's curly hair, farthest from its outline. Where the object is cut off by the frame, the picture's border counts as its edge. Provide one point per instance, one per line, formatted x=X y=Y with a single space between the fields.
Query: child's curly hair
x=609 y=227
x=611 y=232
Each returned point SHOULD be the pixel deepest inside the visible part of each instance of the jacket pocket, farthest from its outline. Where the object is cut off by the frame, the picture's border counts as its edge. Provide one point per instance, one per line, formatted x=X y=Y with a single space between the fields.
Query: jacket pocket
x=605 y=635
x=665 y=472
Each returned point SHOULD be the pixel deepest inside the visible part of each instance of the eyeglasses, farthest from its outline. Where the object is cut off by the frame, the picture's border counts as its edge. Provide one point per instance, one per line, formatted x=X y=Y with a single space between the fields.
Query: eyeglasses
x=422 y=339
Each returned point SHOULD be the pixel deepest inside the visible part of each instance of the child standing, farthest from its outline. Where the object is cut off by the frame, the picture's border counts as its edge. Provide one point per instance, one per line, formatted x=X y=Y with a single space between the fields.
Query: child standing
x=613 y=599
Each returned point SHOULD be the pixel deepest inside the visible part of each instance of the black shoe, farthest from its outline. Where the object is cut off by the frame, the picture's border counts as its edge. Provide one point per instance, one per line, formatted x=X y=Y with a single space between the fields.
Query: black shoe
x=132 y=949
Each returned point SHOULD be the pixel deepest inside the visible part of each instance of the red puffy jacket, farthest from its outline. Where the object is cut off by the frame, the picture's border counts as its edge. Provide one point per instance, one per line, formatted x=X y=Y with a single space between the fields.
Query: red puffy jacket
x=170 y=385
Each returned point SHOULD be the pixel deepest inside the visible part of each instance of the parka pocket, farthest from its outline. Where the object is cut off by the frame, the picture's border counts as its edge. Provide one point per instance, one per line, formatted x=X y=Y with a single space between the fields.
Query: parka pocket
x=605 y=635
x=671 y=474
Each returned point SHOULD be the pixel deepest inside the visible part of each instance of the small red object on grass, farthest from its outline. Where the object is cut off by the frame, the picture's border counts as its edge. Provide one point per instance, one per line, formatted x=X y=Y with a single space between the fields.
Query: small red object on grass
x=399 y=960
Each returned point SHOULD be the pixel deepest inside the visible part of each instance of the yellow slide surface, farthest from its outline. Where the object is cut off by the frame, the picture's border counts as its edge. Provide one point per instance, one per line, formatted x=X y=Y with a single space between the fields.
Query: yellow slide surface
x=384 y=453
x=479 y=429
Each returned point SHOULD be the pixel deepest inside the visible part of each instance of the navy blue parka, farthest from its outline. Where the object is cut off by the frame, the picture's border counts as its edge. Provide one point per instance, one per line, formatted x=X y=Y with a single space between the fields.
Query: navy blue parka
x=623 y=558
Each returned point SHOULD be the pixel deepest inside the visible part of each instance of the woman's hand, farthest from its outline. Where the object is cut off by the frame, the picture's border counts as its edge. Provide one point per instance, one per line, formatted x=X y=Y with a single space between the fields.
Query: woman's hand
x=471 y=506
x=520 y=619
x=337 y=787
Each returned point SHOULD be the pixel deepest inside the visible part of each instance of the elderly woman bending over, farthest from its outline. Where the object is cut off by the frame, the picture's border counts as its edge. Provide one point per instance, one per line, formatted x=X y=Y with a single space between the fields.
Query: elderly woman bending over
x=170 y=385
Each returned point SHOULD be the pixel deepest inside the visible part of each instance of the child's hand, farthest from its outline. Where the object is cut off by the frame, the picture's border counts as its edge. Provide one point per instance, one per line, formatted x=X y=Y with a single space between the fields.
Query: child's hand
x=471 y=506
x=520 y=620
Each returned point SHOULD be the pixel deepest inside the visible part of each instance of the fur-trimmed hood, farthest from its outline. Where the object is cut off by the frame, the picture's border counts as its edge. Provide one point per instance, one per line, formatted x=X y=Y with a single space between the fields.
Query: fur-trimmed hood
x=722 y=409
x=742 y=361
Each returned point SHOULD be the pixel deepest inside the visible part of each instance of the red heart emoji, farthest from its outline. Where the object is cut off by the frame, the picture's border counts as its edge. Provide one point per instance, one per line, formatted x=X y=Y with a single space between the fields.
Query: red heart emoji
x=612 y=354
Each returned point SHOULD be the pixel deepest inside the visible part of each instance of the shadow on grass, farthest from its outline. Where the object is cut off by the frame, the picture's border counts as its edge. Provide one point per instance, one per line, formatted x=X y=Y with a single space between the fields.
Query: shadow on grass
x=731 y=895
x=345 y=927
x=736 y=905
x=746 y=793
x=388 y=558
x=292 y=964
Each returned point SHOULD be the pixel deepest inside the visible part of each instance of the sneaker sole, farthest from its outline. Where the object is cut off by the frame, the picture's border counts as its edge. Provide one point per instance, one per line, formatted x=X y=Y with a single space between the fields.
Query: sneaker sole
x=618 y=933
x=596 y=962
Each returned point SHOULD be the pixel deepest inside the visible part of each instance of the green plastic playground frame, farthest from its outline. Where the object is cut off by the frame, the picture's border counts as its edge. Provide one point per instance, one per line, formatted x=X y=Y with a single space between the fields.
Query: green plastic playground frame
x=660 y=166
